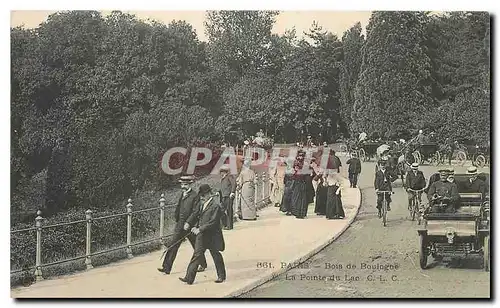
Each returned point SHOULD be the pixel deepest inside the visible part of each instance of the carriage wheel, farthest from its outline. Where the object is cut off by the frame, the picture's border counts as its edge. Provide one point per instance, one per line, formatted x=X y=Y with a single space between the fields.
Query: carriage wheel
x=461 y=157
x=417 y=157
x=480 y=161
x=437 y=158
x=486 y=253
x=362 y=155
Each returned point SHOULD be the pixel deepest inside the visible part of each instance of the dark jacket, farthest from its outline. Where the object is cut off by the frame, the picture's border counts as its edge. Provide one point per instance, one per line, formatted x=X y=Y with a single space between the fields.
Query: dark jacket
x=227 y=186
x=477 y=185
x=354 y=165
x=383 y=181
x=415 y=182
x=186 y=206
x=209 y=224
x=444 y=189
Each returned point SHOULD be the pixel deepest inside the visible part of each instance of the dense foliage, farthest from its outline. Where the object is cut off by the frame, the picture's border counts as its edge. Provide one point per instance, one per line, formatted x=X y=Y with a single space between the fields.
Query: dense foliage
x=96 y=100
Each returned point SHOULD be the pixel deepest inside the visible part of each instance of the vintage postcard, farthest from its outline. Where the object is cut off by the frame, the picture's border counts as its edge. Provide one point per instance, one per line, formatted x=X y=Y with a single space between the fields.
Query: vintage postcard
x=250 y=154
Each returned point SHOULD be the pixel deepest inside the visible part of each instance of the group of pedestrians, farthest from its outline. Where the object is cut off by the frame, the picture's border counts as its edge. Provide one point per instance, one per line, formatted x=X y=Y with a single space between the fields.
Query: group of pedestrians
x=303 y=184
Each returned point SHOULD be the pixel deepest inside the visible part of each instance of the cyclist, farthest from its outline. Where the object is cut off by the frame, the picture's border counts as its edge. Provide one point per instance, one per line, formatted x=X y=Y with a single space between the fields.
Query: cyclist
x=415 y=180
x=383 y=183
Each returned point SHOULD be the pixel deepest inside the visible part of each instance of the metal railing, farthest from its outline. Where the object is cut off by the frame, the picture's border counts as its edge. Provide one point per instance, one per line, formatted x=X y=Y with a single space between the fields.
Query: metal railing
x=261 y=200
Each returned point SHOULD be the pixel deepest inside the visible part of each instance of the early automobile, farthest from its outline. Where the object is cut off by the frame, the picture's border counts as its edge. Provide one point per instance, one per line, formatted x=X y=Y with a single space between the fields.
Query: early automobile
x=463 y=232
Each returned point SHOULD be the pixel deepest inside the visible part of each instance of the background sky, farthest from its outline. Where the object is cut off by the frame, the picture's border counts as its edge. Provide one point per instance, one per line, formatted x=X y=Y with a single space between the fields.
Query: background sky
x=334 y=21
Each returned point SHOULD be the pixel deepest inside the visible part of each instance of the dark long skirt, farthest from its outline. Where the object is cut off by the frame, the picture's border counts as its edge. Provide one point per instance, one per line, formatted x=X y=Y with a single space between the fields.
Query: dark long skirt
x=309 y=189
x=299 y=198
x=334 y=209
x=286 y=201
x=320 y=207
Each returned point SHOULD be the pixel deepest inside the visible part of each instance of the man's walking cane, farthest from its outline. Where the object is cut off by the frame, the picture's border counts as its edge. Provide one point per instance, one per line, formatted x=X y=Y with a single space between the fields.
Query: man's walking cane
x=177 y=242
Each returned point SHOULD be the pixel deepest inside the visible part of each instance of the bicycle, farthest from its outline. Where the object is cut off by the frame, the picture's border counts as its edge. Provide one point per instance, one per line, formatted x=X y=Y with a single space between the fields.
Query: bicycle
x=414 y=205
x=383 y=212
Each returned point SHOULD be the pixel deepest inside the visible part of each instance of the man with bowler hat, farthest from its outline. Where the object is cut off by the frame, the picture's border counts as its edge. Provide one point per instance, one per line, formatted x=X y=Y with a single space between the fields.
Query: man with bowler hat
x=208 y=236
x=185 y=217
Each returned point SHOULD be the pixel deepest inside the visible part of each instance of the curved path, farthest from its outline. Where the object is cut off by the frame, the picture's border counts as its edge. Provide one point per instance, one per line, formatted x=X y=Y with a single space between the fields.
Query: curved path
x=256 y=251
x=367 y=243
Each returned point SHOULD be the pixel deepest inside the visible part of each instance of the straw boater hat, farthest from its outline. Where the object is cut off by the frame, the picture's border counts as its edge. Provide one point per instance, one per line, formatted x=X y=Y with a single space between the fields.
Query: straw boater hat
x=186 y=179
x=414 y=166
x=224 y=169
x=472 y=171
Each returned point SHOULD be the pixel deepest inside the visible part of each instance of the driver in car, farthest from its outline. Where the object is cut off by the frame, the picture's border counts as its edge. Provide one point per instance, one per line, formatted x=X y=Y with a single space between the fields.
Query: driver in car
x=443 y=189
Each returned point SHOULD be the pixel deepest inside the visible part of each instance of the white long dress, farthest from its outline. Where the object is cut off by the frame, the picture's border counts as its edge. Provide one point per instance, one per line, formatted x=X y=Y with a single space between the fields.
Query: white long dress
x=245 y=183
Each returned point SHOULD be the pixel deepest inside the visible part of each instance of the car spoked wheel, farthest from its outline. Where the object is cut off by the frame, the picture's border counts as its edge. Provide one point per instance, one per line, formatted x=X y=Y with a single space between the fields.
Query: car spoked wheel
x=480 y=161
x=461 y=158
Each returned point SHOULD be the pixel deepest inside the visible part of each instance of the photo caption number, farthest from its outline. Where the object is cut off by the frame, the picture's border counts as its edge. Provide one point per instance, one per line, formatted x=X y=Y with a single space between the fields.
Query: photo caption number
x=264 y=265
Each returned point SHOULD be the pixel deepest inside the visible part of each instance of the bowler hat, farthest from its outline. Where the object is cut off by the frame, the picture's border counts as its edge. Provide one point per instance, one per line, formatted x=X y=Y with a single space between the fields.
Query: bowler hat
x=186 y=179
x=204 y=189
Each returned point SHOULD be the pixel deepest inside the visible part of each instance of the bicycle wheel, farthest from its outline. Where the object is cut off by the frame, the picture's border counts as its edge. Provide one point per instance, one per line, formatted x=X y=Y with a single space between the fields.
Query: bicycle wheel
x=384 y=212
x=413 y=209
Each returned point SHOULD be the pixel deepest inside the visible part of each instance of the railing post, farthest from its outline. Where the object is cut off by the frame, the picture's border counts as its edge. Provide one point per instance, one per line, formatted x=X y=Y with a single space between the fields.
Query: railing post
x=129 y=229
x=88 y=251
x=263 y=188
x=256 y=184
x=162 y=219
x=38 y=262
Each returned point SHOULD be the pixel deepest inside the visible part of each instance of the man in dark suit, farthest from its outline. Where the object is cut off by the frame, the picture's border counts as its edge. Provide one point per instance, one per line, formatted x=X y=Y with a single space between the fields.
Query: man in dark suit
x=415 y=180
x=383 y=183
x=475 y=184
x=227 y=193
x=208 y=236
x=185 y=218
x=354 y=169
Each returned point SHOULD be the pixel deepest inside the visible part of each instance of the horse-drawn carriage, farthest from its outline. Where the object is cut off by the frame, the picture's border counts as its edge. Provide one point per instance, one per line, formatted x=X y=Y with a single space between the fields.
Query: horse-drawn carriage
x=463 y=232
x=427 y=152
x=368 y=150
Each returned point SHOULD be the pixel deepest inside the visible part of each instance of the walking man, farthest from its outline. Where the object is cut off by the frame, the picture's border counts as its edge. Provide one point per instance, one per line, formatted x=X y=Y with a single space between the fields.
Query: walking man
x=185 y=216
x=227 y=193
x=354 y=169
x=208 y=236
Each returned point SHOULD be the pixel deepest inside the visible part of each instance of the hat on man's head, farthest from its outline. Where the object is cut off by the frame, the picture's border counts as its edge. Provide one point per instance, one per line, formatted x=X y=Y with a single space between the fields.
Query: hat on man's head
x=246 y=142
x=186 y=179
x=354 y=154
x=224 y=169
x=414 y=166
x=204 y=189
x=450 y=171
x=443 y=172
x=472 y=170
x=382 y=162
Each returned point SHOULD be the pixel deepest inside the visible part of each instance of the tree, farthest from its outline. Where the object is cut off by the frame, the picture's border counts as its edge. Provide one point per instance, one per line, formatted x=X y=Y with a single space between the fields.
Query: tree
x=394 y=83
x=352 y=43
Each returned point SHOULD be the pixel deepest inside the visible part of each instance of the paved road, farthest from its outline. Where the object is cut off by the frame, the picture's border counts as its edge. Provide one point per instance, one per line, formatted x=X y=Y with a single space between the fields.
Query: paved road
x=368 y=242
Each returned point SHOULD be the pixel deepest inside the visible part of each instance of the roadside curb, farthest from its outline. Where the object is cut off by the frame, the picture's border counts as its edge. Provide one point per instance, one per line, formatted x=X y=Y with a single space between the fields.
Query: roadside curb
x=299 y=259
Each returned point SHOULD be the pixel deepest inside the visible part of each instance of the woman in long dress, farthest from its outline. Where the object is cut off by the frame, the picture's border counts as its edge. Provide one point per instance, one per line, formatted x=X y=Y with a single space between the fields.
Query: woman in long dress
x=334 y=209
x=245 y=183
x=321 y=191
x=286 y=200
x=299 y=194
x=276 y=176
